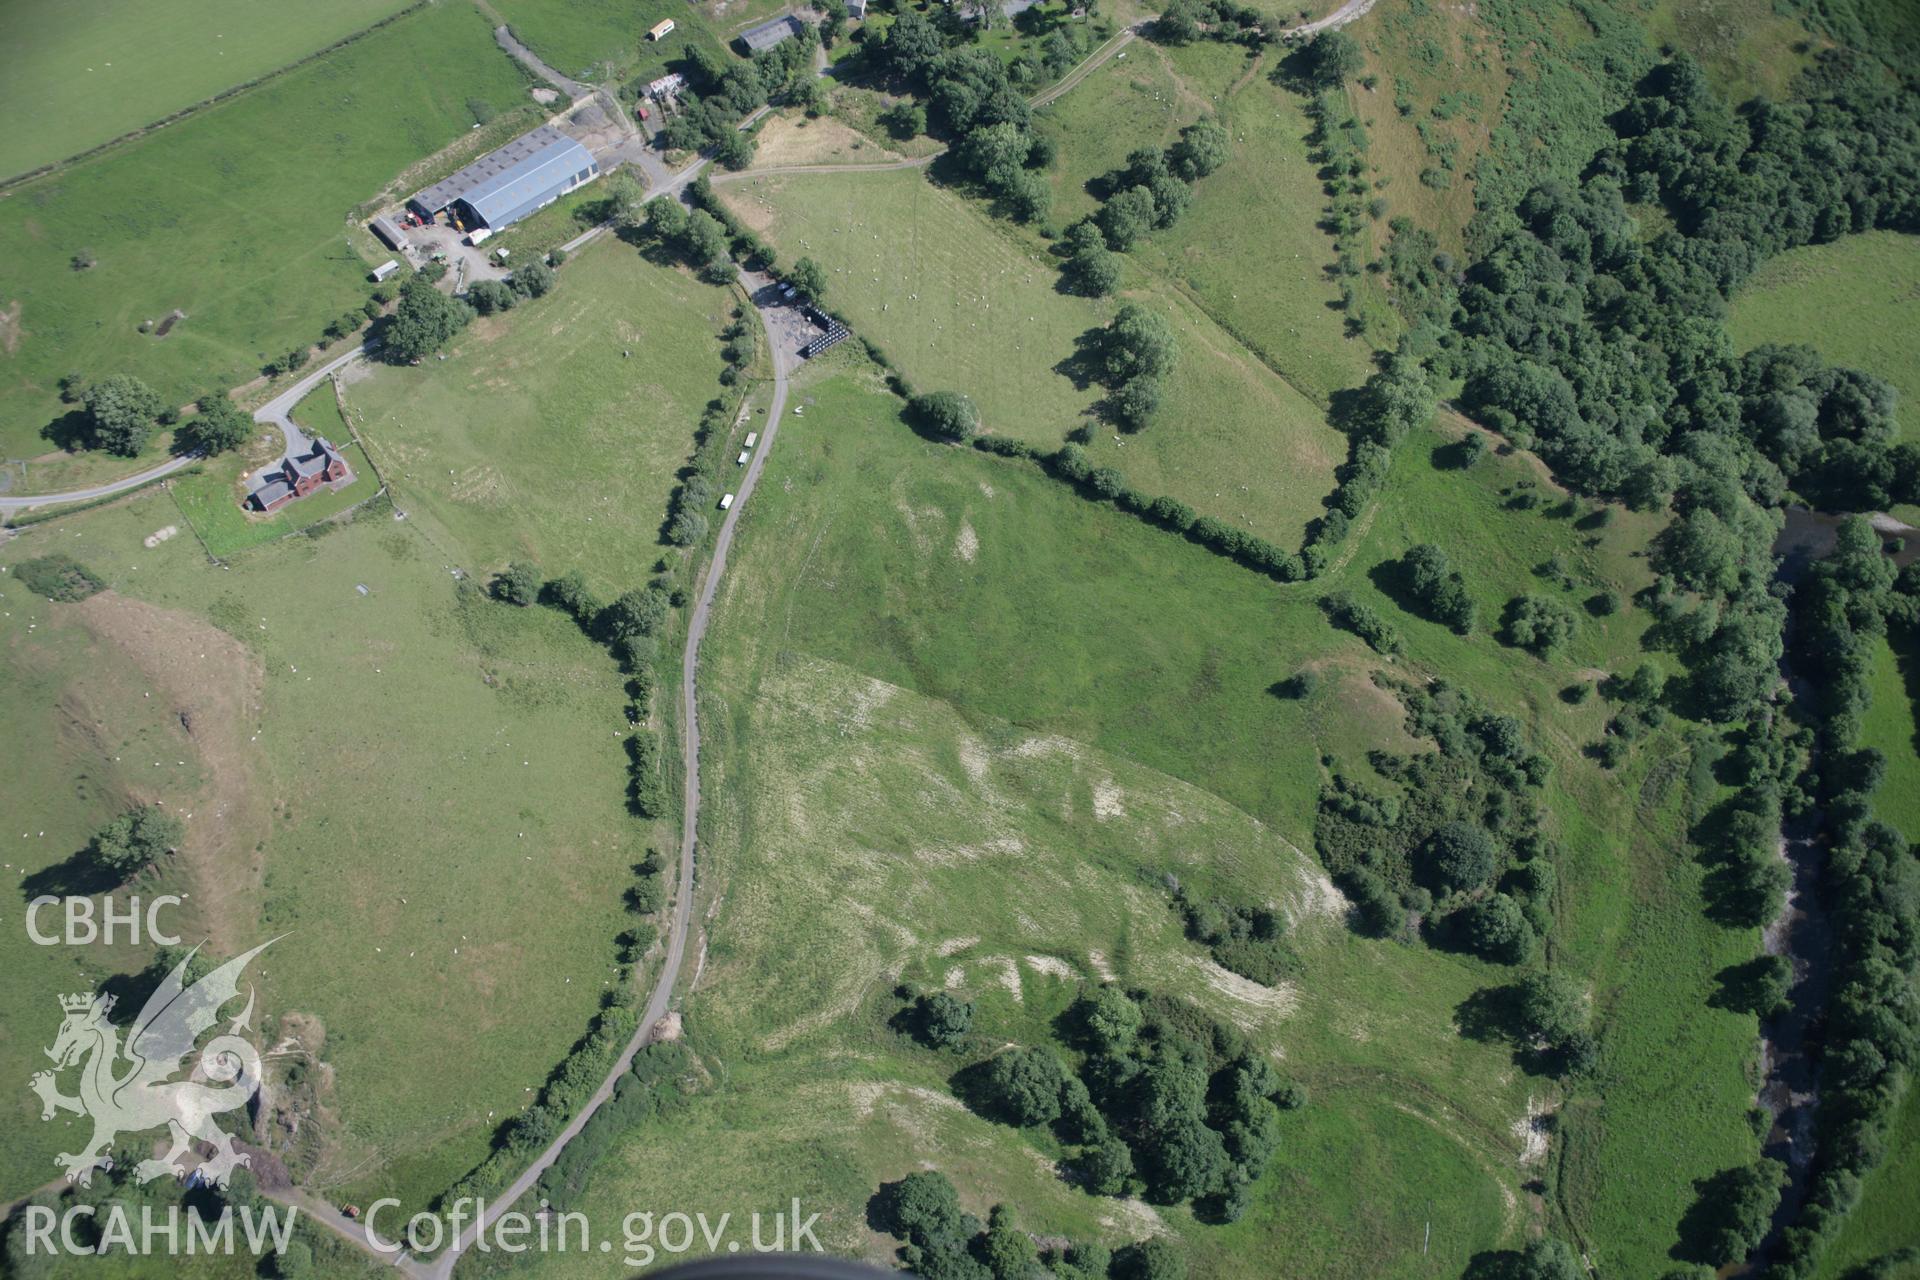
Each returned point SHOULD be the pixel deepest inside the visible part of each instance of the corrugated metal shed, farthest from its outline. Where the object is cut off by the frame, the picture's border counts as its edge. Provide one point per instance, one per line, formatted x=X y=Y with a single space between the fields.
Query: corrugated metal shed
x=503 y=185
x=770 y=33
x=388 y=231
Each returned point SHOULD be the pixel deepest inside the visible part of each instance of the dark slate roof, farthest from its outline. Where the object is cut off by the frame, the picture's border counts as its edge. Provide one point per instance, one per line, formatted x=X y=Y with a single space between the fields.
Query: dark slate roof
x=315 y=460
x=273 y=490
x=502 y=180
x=770 y=32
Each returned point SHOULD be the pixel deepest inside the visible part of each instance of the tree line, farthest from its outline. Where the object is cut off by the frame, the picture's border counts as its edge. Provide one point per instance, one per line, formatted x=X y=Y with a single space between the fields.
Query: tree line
x=1605 y=350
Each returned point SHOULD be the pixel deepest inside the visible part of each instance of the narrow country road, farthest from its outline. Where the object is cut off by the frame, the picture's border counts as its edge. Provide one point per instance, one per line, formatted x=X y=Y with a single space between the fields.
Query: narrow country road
x=1340 y=17
x=763 y=292
x=28 y=503
x=1346 y=13
x=276 y=412
x=504 y=37
x=775 y=170
x=1089 y=65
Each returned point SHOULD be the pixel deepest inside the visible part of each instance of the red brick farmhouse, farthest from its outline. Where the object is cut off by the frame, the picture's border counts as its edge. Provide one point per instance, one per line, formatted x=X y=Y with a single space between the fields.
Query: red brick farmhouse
x=296 y=476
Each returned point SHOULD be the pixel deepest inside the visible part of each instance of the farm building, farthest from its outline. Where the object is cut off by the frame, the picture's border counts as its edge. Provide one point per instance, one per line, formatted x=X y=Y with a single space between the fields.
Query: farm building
x=857 y=10
x=504 y=186
x=666 y=87
x=385 y=269
x=661 y=29
x=297 y=476
x=389 y=233
x=770 y=33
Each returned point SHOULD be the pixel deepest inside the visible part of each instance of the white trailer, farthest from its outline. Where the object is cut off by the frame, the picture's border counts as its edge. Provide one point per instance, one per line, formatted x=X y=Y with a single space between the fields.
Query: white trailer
x=726 y=502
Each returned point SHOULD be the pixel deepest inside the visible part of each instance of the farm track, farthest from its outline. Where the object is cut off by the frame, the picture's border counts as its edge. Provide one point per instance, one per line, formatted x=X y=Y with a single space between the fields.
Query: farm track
x=1340 y=17
x=277 y=411
x=441 y=1267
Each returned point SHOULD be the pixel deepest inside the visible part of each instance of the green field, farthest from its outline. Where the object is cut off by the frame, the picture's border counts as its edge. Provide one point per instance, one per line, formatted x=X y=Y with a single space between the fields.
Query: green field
x=100 y=744
x=959 y=302
x=1856 y=301
x=1886 y=1217
x=421 y=790
x=73 y=76
x=1892 y=727
x=1263 y=206
x=211 y=502
x=554 y=432
x=1747 y=47
x=596 y=40
x=955 y=730
x=954 y=736
x=236 y=216
x=1440 y=78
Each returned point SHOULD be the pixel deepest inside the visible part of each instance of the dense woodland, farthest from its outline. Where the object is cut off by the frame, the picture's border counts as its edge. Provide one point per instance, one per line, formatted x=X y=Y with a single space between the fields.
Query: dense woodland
x=1604 y=348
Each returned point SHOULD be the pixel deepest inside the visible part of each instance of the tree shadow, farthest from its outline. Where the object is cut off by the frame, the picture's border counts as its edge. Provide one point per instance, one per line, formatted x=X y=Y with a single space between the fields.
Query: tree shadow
x=1083 y=367
x=1494 y=1264
x=1747 y=987
x=80 y=876
x=1490 y=1015
x=1346 y=409
x=1390 y=576
x=1294 y=71
x=131 y=990
x=1704 y=1227
x=71 y=431
x=970 y=1084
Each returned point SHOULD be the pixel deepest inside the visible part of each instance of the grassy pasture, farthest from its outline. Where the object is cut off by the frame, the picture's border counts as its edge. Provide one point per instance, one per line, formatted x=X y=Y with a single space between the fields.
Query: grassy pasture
x=594 y=40
x=1667 y=1104
x=955 y=303
x=869 y=833
x=1059 y=661
x=959 y=303
x=1128 y=102
x=211 y=501
x=876 y=816
x=100 y=743
x=1249 y=250
x=1439 y=89
x=73 y=76
x=1892 y=726
x=951 y=707
x=1885 y=1218
x=553 y=432
x=437 y=821
x=1856 y=301
x=1746 y=47
x=235 y=216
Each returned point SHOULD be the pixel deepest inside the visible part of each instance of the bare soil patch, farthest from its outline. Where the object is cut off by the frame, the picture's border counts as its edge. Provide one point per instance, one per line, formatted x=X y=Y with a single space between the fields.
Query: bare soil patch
x=786 y=140
x=213 y=683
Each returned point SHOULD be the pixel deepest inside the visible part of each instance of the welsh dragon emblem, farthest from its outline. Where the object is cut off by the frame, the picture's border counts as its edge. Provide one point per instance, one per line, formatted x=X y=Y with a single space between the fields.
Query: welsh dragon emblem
x=128 y=1090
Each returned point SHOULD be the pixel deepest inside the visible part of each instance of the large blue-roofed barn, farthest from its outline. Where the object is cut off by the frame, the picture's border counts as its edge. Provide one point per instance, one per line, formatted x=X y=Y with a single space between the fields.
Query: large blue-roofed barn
x=504 y=186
